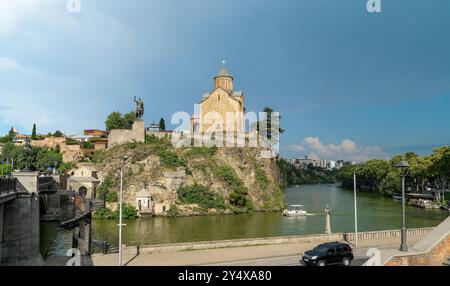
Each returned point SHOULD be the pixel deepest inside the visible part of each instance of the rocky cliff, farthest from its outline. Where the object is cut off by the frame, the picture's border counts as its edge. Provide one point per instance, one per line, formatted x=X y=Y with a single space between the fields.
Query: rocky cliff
x=192 y=181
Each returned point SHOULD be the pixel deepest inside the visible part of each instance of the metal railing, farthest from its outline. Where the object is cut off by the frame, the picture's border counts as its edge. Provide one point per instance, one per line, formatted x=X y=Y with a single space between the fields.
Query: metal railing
x=44 y=182
x=8 y=185
x=385 y=234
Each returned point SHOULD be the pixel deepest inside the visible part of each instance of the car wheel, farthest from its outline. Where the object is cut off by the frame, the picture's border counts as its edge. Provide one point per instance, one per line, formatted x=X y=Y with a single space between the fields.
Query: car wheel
x=346 y=261
x=321 y=263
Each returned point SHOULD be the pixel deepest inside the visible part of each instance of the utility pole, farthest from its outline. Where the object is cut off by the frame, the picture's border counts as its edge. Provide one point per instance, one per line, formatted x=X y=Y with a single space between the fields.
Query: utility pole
x=403 y=168
x=356 y=210
x=120 y=209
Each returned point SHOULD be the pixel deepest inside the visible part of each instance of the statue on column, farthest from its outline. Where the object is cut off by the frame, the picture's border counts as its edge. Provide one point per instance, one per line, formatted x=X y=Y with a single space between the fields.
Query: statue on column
x=139 y=108
x=327 y=220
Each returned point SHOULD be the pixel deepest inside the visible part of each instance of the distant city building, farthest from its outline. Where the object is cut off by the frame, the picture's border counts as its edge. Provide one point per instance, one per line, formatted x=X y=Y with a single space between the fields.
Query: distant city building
x=302 y=163
x=154 y=127
x=95 y=133
x=20 y=139
x=80 y=138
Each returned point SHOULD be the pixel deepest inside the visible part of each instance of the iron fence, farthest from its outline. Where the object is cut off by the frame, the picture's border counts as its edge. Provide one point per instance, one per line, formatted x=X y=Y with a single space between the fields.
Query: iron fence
x=8 y=185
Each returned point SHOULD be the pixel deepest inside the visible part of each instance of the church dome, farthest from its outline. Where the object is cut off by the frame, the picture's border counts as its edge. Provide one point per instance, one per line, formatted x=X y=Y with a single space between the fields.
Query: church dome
x=223 y=79
x=223 y=72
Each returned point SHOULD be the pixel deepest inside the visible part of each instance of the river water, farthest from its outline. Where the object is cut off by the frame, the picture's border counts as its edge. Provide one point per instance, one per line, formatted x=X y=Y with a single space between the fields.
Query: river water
x=374 y=213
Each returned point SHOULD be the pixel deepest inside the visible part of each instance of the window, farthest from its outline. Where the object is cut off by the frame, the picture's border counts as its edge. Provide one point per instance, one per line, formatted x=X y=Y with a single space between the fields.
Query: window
x=331 y=251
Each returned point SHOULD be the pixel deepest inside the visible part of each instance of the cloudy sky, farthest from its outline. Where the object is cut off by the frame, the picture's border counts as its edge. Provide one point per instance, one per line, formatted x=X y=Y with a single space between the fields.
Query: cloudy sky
x=348 y=84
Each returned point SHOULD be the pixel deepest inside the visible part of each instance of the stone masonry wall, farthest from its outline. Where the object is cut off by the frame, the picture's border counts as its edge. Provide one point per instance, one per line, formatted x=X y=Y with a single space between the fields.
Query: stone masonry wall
x=2 y=212
x=432 y=250
x=122 y=136
x=21 y=232
x=435 y=257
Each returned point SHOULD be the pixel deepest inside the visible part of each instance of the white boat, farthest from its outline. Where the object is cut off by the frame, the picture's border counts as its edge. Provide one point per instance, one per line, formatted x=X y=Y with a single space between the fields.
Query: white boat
x=294 y=210
x=397 y=197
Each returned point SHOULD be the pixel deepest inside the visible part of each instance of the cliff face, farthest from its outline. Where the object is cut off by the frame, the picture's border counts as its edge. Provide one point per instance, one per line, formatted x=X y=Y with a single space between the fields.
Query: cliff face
x=190 y=181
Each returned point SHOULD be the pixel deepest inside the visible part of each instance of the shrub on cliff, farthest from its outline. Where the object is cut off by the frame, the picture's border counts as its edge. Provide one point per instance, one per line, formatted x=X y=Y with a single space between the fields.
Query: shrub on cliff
x=196 y=152
x=112 y=197
x=171 y=159
x=238 y=194
x=201 y=195
x=128 y=212
x=103 y=213
x=261 y=177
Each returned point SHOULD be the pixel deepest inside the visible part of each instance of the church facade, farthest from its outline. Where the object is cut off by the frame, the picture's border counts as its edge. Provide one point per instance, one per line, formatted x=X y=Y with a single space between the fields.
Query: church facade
x=221 y=110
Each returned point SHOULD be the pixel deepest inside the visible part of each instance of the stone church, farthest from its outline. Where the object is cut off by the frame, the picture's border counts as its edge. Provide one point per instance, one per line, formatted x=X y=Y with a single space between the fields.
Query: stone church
x=217 y=105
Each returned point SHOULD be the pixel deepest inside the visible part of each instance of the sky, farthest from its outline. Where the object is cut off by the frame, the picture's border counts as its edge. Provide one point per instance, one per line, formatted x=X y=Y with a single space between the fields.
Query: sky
x=348 y=84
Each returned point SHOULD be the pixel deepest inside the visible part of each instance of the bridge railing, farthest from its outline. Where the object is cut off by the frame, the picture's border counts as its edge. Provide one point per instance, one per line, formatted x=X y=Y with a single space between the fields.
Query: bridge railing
x=44 y=182
x=385 y=234
x=8 y=185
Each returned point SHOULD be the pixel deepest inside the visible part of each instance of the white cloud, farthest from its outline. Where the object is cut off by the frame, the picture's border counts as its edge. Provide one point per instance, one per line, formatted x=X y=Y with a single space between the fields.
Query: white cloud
x=12 y=12
x=346 y=150
x=296 y=148
x=8 y=64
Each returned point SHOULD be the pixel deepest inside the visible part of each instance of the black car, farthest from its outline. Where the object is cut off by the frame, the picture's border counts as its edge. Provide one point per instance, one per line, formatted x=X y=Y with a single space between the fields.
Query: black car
x=327 y=254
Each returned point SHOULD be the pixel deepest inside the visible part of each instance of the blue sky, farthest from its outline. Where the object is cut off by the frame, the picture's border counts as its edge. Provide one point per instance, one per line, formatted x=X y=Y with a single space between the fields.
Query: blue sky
x=349 y=84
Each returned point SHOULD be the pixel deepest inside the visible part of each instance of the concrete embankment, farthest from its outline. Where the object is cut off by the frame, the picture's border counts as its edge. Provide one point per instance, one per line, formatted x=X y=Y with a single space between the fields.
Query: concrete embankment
x=373 y=235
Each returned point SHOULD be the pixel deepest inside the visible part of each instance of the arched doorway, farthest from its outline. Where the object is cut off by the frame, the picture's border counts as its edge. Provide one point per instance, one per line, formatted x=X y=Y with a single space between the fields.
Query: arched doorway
x=82 y=192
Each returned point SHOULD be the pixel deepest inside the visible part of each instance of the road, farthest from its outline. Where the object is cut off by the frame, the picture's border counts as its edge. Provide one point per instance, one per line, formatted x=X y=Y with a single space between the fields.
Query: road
x=264 y=255
x=289 y=260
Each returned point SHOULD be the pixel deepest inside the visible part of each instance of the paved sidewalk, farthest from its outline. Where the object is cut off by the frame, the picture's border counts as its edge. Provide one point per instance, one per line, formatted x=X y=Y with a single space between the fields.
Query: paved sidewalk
x=232 y=255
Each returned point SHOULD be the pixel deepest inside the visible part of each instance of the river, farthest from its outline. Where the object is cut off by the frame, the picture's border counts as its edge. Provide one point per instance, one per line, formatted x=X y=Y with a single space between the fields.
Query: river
x=374 y=213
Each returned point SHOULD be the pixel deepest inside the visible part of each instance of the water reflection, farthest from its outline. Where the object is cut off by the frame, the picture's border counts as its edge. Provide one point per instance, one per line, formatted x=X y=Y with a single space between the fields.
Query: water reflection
x=375 y=213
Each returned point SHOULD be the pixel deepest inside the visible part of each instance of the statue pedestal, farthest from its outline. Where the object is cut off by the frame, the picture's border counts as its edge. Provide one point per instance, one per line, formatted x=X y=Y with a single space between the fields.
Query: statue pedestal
x=139 y=130
x=28 y=181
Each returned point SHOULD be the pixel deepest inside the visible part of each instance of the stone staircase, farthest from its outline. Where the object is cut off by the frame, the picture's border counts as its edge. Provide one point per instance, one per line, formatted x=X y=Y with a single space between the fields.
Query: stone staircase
x=98 y=204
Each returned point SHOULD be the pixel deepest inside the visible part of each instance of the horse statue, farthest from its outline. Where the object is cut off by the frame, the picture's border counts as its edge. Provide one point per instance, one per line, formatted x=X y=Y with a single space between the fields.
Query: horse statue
x=139 y=108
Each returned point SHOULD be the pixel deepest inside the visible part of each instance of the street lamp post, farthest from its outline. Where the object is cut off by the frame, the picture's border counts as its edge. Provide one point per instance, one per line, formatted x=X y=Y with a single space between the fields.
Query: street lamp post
x=356 y=211
x=120 y=209
x=403 y=167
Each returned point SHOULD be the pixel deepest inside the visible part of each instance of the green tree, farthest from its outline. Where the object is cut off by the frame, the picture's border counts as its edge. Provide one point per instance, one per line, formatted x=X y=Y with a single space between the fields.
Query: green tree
x=116 y=120
x=88 y=145
x=440 y=167
x=33 y=132
x=162 y=125
x=8 y=137
x=267 y=129
x=40 y=159
x=129 y=118
x=391 y=183
x=419 y=170
x=58 y=134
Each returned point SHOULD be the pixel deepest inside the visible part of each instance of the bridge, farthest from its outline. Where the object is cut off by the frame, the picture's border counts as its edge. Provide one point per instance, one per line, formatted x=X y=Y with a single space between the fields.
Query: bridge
x=26 y=198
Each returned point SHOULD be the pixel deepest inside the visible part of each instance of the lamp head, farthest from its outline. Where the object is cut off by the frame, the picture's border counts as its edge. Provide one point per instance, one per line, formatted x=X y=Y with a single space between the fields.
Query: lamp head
x=403 y=165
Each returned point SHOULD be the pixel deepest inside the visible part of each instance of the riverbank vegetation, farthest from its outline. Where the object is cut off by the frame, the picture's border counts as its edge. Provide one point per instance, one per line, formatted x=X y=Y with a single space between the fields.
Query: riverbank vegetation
x=128 y=212
x=309 y=175
x=39 y=159
x=202 y=196
x=380 y=176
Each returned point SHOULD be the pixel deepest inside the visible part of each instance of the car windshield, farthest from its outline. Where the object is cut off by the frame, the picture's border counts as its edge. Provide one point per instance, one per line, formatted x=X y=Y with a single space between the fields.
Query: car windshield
x=321 y=249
